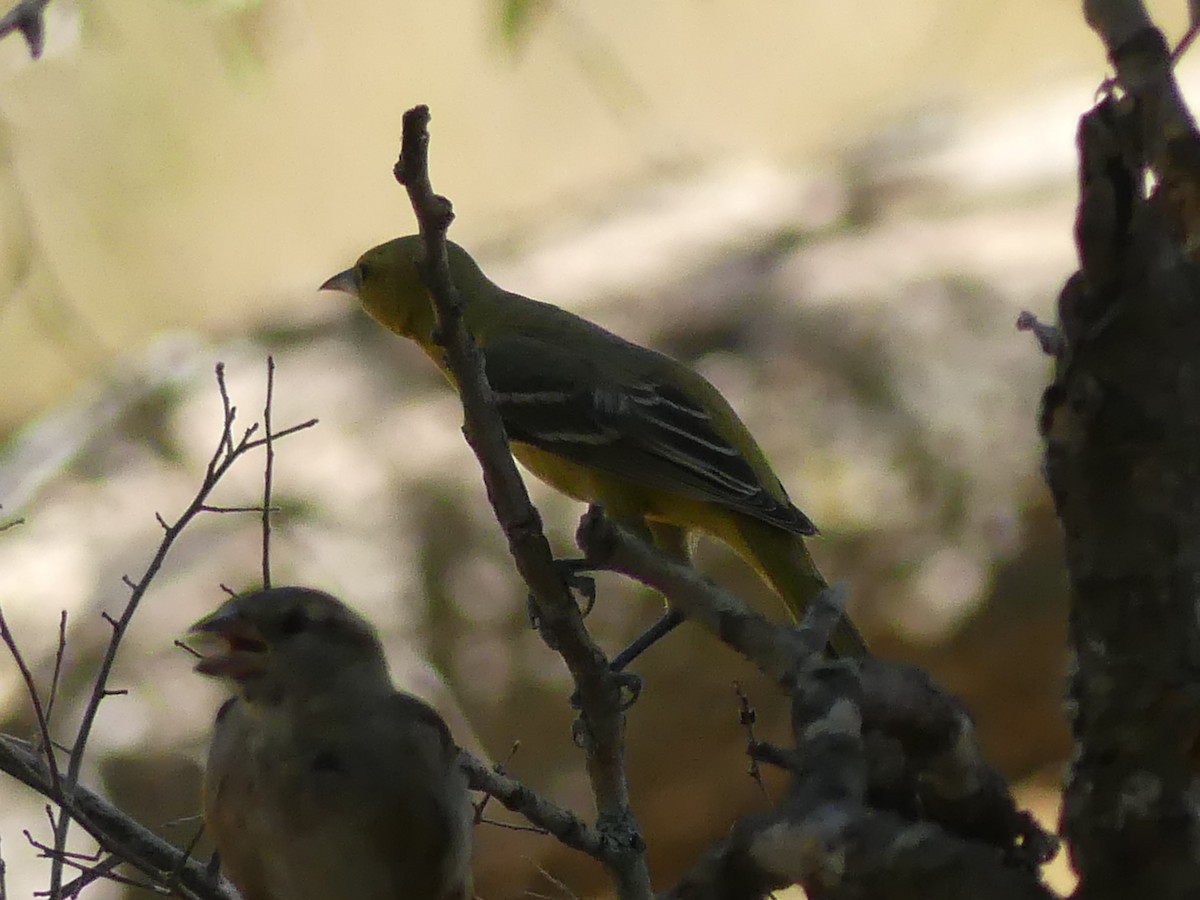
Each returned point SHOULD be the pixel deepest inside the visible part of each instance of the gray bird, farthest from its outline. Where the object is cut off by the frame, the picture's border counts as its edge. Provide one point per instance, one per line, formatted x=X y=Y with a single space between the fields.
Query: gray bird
x=324 y=782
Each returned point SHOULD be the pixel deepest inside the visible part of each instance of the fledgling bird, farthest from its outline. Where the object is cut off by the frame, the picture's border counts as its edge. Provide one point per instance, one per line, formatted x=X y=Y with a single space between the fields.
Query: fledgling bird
x=323 y=782
x=606 y=421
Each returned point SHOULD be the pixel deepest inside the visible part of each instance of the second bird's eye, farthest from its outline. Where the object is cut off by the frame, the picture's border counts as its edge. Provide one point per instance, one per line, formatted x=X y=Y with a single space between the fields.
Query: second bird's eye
x=294 y=622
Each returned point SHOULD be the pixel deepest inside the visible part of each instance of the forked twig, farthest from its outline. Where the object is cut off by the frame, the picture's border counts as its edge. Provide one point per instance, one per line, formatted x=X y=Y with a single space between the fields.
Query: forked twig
x=223 y=458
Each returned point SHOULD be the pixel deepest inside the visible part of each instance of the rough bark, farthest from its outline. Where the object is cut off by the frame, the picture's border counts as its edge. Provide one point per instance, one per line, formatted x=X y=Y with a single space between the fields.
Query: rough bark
x=1122 y=427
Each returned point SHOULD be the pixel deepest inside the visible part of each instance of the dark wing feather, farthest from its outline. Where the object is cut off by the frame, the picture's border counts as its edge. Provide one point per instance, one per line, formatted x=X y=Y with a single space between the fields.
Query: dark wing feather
x=426 y=829
x=646 y=431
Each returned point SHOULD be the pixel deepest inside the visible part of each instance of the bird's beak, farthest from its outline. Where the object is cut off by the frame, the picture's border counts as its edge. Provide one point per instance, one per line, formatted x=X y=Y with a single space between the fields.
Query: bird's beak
x=242 y=651
x=348 y=282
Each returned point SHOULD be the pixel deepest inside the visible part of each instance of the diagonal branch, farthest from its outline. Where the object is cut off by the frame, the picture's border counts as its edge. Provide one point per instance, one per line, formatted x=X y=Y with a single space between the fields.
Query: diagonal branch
x=112 y=829
x=26 y=17
x=600 y=694
x=559 y=822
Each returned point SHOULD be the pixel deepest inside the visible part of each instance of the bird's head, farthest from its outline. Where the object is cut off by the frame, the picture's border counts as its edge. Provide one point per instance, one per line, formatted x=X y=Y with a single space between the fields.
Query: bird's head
x=290 y=641
x=387 y=282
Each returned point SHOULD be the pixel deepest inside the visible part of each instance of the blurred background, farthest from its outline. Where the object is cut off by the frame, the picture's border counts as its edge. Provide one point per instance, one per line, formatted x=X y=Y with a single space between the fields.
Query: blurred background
x=834 y=211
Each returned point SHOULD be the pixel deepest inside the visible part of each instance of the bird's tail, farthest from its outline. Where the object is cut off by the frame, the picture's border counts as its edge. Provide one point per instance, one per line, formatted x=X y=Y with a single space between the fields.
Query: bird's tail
x=783 y=561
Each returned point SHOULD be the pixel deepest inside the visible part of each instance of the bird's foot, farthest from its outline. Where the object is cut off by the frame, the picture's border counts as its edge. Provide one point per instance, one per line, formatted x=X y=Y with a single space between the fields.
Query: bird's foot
x=630 y=686
x=581 y=586
x=629 y=689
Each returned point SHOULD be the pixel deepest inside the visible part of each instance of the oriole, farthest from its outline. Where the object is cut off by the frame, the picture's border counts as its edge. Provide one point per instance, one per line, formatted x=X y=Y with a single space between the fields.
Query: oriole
x=606 y=421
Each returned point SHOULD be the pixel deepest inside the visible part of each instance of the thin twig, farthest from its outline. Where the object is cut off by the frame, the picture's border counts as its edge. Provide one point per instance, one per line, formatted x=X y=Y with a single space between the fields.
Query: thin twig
x=567 y=892
x=511 y=826
x=229 y=413
x=39 y=711
x=98 y=871
x=26 y=17
x=498 y=768
x=747 y=716
x=1185 y=43
x=268 y=469
x=563 y=824
x=72 y=856
x=91 y=874
x=182 y=646
x=91 y=868
x=58 y=661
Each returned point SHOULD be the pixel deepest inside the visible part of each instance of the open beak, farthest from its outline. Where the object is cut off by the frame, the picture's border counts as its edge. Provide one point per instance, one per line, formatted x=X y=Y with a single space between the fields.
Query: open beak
x=348 y=282
x=240 y=652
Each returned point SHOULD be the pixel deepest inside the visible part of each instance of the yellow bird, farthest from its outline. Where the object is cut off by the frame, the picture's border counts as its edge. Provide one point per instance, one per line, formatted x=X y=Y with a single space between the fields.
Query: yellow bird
x=606 y=421
x=323 y=782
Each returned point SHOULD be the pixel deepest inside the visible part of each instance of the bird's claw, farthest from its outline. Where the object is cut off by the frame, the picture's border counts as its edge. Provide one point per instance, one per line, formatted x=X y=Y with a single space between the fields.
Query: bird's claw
x=629 y=690
x=630 y=686
x=579 y=584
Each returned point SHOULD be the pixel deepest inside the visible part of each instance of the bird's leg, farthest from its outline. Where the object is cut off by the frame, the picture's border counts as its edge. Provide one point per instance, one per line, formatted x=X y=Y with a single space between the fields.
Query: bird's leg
x=647 y=639
x=672 y=541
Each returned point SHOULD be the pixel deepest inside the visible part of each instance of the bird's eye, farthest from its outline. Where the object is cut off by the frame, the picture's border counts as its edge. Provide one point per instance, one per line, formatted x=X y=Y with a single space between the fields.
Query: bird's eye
x=293 y=623
x=363 y=272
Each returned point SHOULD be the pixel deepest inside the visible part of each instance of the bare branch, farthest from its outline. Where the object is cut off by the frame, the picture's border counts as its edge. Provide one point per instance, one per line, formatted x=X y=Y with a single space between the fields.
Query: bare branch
x=747 y=716
x=113 y=830
x=1121 y=425
x=98 y=871
x=770 y=646
x=40 y=711
x=27 y=18
x=287 y=432
x=560 y=624
x=59 y=652
x=830 y=835
x=1161 y=127
x=564 y=825
x=268 y=469
x=1048 y=337
x=182 y=646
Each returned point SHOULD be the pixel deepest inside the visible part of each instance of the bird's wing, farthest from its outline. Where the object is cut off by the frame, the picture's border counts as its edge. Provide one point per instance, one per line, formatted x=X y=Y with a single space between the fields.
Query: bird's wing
x=431 y=818
x=229 y=791
x=644 y=430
